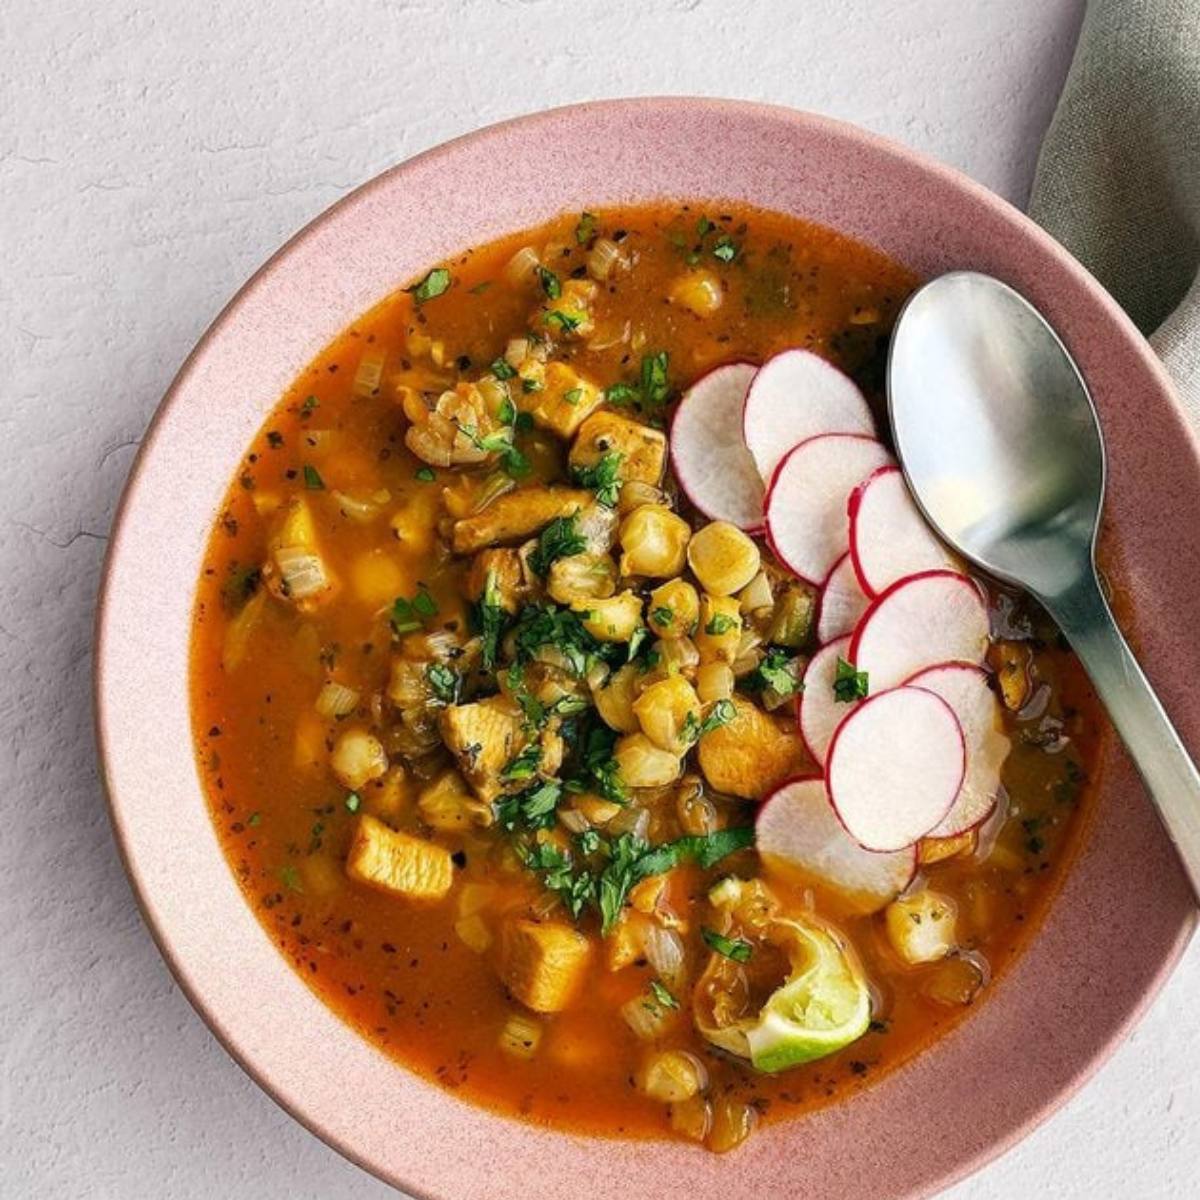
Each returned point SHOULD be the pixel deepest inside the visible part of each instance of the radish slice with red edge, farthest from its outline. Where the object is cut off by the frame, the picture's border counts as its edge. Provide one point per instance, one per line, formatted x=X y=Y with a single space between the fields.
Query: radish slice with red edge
x=797 y=395
x=889 y=538
x=711 y=461
x=926 y=619
x=965 y=688
x=797 y=833
x=806 y=500
x=820 y=712
x=842 y=602
x=895 y=767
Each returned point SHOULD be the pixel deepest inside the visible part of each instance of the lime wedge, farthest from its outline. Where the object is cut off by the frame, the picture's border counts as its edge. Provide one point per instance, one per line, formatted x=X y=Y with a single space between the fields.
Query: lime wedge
x=823 y=1007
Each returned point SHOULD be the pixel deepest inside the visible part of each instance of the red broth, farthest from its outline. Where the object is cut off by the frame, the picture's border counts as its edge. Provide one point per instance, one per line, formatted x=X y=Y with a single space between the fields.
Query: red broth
x=689 y=286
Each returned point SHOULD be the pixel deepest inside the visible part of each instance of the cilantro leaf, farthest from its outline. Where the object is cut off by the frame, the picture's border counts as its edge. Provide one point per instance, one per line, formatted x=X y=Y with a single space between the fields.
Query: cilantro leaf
x=849 y=684
x=560 y=539
x=432 y=286
x=737 y=949
x=602 y=477
x=443 y=681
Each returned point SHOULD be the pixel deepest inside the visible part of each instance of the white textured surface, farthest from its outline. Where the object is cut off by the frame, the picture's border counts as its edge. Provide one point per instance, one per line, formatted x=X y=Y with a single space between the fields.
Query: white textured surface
x=150 y=157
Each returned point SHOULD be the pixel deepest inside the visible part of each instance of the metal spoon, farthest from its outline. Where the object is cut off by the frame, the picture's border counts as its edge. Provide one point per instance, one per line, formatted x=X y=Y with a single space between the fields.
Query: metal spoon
x=1002 y=448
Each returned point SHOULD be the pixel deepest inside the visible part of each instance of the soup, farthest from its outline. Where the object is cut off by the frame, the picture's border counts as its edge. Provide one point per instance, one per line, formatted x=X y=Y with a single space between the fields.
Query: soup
x=576 y=790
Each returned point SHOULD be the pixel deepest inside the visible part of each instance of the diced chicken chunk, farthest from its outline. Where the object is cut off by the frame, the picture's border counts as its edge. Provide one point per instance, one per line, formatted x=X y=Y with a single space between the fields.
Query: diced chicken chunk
x=516 y=515
x=565 y=401
x=922 y=927
x=484 y=737
x=543 y=963
x=751 y=754
x=398 y=863
x=511 y=581
x=643 y=450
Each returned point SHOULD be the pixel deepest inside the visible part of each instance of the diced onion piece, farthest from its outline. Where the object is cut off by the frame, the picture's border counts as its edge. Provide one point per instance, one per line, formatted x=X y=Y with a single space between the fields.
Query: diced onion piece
x=714 y=681
x=672 y=1076
x=336 y=699
x=647 y=1018
x=362 y=511
x=516 y=351
x=692 y=1118
x=665 y=953
x=756 y=595
x=520 y=1036
x=302 y=571
x=604 y=256
x=522 y=265
x=369 y=373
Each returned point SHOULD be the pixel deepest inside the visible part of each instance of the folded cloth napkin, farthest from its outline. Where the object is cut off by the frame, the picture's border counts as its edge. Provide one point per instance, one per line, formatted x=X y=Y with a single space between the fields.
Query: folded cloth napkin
x=1118 y=180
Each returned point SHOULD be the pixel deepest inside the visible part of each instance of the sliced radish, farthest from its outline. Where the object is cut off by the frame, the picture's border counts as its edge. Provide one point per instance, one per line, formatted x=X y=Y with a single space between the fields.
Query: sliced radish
x=710 y=459
x=797 y=395
x=965 y=688
x=806 y=500
x=798 y=831
x=820 y=712
x=843 y=602
x=895 y=767
x=934 y=617
x=889 y=538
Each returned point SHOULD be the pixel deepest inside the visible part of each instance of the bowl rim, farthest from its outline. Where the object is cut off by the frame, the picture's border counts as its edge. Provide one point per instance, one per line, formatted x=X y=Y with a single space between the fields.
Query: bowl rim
x=105 y=634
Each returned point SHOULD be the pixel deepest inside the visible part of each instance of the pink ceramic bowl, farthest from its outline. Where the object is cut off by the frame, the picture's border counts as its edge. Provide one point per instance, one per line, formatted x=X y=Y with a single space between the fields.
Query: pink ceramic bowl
x=1114 y=932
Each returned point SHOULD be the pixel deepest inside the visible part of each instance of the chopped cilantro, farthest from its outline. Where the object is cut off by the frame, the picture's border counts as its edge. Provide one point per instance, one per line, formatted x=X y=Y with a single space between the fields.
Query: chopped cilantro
x=290 y=878
x=725 y=249
x=662 y=616
x=573 y=396
x=722 y=713
x=308 y=404
x=603 y=478
x=353 y=802
x=703 y=849
x=654 y=385
x=737 y=949
x=502 y=370
x=848 y=684
x=443 y=681
x=425 y=474
x=254 y=820
x=720 y=623
x=512 y=462
x=546 y=625
x=560 y=539
x=528 y=386
x=575 y=889
x=432 y=286
x=775 y=673
x=489 y=619
x=621 y=394
x=585 y=229
x=523 y=765
x=408 y=615
x=662 y=996
x=566 y=322
x=550 y=284
x=704 y=227
x=312 y=479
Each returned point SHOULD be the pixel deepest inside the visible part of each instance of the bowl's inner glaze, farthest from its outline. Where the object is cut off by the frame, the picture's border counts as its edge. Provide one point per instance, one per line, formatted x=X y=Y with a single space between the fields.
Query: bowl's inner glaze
x=1124 y=902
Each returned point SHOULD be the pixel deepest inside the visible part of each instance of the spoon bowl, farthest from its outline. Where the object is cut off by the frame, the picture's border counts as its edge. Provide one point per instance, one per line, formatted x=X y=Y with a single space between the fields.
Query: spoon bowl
x=1002 y=448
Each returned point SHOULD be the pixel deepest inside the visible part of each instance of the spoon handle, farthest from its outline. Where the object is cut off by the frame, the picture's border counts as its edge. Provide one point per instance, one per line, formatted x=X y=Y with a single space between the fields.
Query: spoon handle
x=1167 y=770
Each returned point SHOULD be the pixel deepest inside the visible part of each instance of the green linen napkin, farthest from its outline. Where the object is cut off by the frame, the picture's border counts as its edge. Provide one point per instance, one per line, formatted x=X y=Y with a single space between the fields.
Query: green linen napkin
x=1118 y=180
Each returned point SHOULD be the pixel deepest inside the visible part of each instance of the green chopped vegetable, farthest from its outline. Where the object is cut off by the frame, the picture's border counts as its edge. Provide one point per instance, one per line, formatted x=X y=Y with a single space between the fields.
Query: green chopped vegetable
x=705 y=850
x=432 y=286
x=502 y=370
x=353 y=802
x=425 y=474
x=523 y=765
x=849 y=684
x=532 y=808
x=562 y=320
x=550 y=283
x=662 y=616
x=290 y=878
x=489 y=620
x=737 y=949
x=444 y=682
x=662 y=995
x=409 y=615
x=585 y=230
x=603 y=478
x=560 y=539
x=312 y=479
x=774 y=673
x=572 y=396
x=655 y=387
x=619 y=395
x=725 y=249
x=720 y=623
